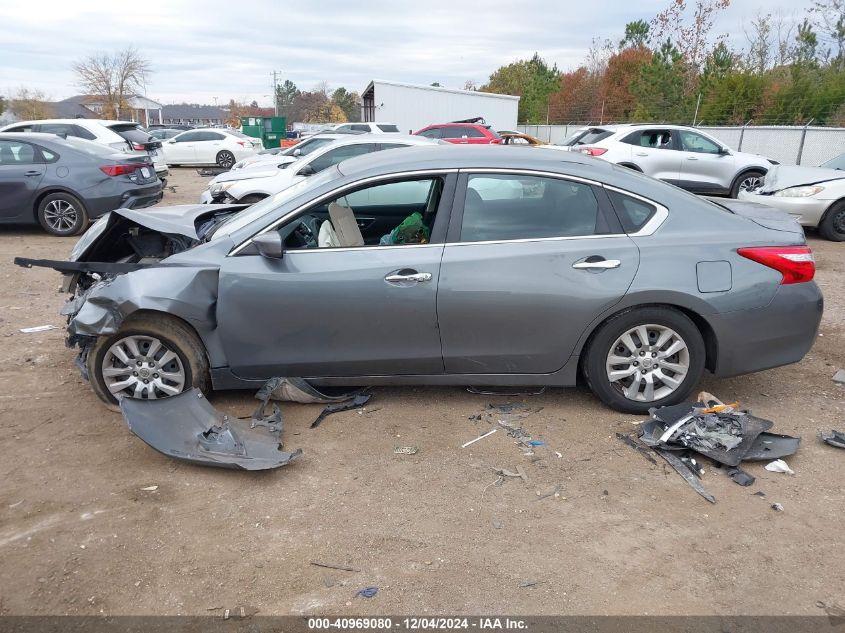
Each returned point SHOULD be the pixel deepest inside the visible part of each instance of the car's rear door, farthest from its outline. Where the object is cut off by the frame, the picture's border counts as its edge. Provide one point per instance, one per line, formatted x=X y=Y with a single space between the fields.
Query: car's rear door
x=522 y=277
x=340 y=311
x=21 y=171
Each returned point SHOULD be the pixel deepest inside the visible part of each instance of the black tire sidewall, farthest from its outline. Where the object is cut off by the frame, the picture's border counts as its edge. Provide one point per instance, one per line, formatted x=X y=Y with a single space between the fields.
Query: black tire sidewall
x=223 y=153
x=826 y=225
x=743 y=176
x=97 y=353
x=81 y=214
x=606 y=335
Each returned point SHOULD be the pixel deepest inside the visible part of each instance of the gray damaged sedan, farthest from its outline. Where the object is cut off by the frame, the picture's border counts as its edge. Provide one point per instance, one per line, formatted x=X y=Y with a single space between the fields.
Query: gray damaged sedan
x=444 y=266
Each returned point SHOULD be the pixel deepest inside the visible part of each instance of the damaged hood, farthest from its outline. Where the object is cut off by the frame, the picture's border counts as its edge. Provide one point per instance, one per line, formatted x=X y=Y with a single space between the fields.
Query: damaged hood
x=260 y=169
x=786 y=176
x=761 y=214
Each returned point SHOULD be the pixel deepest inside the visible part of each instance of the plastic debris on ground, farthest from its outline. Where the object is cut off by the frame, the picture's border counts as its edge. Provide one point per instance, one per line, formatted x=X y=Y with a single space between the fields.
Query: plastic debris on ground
x=779 y=466
x=367 y=592
x=480 y=437
x=38 y=328
x=725 y=433
x=356 y=403
x=777 y=507
x=839 y=377
x=836 y=438
x=406 y=450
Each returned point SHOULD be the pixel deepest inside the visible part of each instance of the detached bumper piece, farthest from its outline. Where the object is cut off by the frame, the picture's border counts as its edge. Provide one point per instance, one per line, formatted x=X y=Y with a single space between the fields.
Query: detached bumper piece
x=188 y=428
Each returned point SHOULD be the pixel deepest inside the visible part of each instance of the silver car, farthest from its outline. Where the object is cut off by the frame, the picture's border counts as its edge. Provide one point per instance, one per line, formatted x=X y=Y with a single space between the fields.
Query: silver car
x=814 y=196
x=683 y=156
x=422 y=266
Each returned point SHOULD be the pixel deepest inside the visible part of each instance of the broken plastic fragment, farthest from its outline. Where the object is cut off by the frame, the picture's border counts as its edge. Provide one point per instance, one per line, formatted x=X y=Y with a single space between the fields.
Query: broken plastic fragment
x=356 y=403
x=741 y=477
x=836 y=438
x=187 y=427
x=779 y=466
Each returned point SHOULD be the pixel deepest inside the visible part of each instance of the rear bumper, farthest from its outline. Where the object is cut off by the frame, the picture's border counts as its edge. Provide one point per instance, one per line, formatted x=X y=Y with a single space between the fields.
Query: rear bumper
x=779 y=334
x=808 y=211
x=130 y=199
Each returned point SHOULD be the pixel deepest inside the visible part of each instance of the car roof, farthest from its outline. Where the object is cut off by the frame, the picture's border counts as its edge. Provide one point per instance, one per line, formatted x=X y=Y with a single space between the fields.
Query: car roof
x=29 y=136
x=345 y=139
x=485 y=126
x=449 y=156
x=106 y=122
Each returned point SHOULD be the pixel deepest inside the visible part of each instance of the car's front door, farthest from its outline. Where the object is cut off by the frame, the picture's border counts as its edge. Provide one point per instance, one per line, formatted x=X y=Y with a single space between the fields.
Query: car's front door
x=182 y=148
x=523 y=276
x=21 y=171
x=325 y=309
x=656 y=153
x=705 y=168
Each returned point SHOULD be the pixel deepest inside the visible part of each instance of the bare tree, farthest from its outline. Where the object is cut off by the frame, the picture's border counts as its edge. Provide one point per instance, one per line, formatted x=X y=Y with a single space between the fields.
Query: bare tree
x=829 y=17
x=113 y=77
x=30 y=105
x=759 y=38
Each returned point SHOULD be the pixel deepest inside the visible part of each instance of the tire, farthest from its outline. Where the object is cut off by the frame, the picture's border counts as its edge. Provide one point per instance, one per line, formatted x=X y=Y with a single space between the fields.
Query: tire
x=225 y=159
x=187 y=368
x=62 y=214
x=657 y=322
x=251 y=199
x=832 y=226
x=747 y=180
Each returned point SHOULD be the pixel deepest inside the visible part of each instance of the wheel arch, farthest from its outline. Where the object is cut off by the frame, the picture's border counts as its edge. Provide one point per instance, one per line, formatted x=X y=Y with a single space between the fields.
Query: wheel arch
x=631 y=166
x=830 y=208
x=701 y=323
x=745 y=171
x=50 y=191
x=147 y=312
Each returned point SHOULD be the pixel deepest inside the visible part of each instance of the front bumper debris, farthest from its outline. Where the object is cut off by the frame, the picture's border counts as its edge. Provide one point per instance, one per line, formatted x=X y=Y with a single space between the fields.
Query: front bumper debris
x=188 y=428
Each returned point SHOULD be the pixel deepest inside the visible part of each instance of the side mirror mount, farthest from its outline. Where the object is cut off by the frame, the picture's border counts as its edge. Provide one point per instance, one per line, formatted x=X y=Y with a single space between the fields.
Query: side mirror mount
x=724 y=151
x=306 y=170
x=297 y=152
x=269 y=245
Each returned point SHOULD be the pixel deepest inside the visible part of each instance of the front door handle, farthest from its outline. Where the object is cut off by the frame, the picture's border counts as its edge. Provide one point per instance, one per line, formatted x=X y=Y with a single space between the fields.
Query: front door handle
x=692 y=158
x=640 y=153
x=413 y=277
x=600 y=264
x=32 y=173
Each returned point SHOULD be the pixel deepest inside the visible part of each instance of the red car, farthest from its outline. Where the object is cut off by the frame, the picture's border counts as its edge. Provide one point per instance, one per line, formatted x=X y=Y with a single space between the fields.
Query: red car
x=461 y=133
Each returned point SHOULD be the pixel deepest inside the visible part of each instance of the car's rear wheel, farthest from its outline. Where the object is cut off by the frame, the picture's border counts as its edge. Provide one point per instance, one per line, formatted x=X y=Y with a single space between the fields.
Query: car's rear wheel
x=749 y=181
x=151 y=357
x=62 y=214
x=225 y=159
x=832 y=226
x=643 y=358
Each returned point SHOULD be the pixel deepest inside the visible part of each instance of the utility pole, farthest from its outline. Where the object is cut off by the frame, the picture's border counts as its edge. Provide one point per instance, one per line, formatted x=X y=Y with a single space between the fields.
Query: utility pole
x=276 y=74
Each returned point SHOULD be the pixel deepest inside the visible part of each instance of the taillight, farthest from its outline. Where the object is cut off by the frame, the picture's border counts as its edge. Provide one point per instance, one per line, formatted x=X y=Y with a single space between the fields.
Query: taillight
x=245 y=143
x=139 y=146
x=496 y=141
x=795 y=263
x=119 y=170
x=592 y=151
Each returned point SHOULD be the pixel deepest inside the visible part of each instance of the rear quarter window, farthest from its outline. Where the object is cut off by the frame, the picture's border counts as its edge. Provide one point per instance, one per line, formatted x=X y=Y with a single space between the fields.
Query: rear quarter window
x=388 y=128
x=593 y=136
x=633 y=213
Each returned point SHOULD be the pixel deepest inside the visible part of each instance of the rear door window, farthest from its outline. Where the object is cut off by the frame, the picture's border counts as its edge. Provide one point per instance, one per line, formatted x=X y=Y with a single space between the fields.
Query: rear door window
x=133 y=134
x=593 y=135
x=17 y=153
x=67 y=129
x=514 y=207
x=387 y=128
x=188 y=137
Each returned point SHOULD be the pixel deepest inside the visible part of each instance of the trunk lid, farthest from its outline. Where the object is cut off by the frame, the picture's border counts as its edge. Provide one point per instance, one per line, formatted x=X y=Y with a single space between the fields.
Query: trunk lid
x=761 y=215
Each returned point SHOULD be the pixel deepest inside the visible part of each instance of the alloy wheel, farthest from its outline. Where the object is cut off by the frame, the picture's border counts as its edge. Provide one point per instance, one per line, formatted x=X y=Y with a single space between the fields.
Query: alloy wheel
x=750 y=183
x=60 y=215
x=648 y=363
x=139 y=366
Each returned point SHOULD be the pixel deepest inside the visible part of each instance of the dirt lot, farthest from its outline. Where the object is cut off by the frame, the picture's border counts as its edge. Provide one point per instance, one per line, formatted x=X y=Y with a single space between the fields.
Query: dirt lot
x=79 y=535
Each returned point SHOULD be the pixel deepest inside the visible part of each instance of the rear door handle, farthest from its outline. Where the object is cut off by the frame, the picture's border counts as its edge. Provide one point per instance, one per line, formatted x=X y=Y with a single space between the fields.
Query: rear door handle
x=640 y=153
x=32 y=173
x=601 y=264
x=413 y=277
x=692 y=158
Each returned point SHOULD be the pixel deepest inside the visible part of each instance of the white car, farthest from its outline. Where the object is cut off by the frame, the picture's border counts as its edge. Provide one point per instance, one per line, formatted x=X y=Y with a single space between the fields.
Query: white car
x=253 y=184
x=210 y=147
x=290 y=154
x=370 y=127
x=124 y=136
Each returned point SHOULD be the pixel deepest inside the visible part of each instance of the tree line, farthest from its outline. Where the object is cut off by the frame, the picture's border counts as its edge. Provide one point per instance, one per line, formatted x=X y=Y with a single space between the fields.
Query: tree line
x=672 y=69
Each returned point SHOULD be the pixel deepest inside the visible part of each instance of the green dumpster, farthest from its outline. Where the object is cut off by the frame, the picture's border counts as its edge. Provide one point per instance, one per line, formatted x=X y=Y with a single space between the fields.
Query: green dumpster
x=270 y=129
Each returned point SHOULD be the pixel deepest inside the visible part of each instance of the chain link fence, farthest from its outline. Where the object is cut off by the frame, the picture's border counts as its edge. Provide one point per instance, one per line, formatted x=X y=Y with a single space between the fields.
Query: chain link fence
x=790 y=145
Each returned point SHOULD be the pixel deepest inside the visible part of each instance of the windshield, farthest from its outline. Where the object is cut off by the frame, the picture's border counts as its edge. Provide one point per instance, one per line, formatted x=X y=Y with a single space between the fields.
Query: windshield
x=835 y=163
x=307 y=146
x=237 y=133
x=268 y=205
x=586 y=137
x=134 y=133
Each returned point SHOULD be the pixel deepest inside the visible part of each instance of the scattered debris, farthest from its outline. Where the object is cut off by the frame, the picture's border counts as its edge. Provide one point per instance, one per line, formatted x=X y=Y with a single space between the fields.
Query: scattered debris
x=504 y=472
x=559 y=454
x=777 y=507
x=150 y=489
x=367 y=592
x=741 y=477
x=481 y=391
x=839 y=377
x=406 y=450
x=642 y=450
x=690 y=477
x=497 y=525
x=356 y=403
x=554 y=493
x=835 y=613
x=480 y=437
x=38 y=328
x=836 y=438
x=779 y=466
x=299 y=390
x=760 y=493
x=529 y=583
x=332 y=566
x=204 y=435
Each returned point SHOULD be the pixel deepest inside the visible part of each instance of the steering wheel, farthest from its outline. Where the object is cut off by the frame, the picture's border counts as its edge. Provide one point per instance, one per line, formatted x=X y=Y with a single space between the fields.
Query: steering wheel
x=305 y=232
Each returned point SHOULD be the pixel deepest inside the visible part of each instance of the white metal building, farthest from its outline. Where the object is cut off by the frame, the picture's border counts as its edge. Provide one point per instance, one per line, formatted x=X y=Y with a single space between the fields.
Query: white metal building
x=412 y=107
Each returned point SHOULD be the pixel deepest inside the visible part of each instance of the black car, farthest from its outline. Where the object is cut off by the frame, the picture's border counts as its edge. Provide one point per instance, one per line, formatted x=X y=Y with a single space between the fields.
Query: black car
x=63 y=183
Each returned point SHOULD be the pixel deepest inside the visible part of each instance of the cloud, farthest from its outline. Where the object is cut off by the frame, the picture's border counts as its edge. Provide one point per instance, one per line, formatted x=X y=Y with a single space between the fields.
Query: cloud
x=202 y=50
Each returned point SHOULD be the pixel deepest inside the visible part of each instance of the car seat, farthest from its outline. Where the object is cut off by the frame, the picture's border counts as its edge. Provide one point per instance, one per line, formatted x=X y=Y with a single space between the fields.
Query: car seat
x=7 y=156
x=344 y=225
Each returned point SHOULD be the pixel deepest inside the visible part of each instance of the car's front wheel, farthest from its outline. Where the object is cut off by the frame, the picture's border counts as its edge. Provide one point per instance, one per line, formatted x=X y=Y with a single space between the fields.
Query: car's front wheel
x=832 y=226
x=151 y=357
x=643 y=358
x=749 y=181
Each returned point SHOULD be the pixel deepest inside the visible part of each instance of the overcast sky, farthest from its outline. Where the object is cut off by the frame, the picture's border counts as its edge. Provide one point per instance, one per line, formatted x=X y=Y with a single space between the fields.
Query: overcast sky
x=225 y=49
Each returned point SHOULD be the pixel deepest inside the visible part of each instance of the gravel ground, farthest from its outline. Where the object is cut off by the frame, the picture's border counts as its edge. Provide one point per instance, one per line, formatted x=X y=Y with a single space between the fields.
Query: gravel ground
x=80 y=535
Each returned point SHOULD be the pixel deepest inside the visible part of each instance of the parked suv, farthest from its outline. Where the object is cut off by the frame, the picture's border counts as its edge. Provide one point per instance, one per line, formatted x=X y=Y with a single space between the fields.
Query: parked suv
x=683 y=156
x=366 y=128
x=62 y=183
x=461 y=133
x=124 y=136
